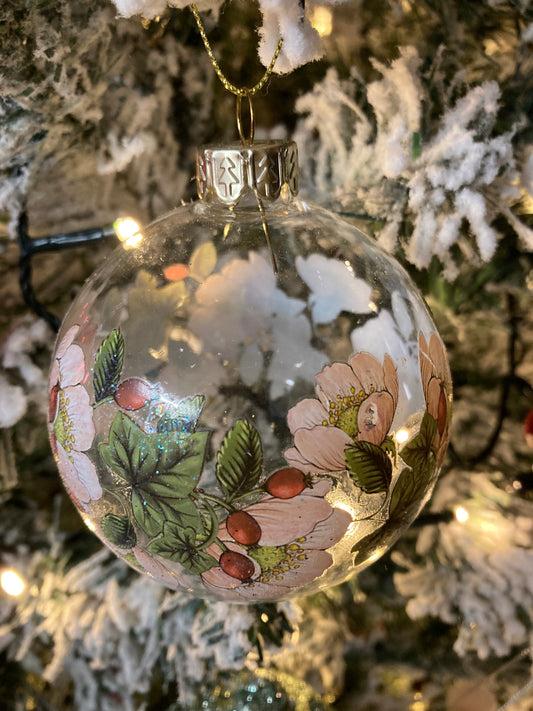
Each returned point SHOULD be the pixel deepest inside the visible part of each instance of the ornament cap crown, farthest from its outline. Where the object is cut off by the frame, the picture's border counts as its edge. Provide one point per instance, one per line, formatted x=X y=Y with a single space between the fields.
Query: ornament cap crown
x=267 y=169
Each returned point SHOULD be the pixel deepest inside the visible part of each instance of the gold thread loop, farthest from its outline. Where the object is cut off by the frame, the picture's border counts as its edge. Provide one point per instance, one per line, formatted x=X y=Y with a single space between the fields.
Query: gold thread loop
x=247 y=140
x=225 y=82
x=266 y=232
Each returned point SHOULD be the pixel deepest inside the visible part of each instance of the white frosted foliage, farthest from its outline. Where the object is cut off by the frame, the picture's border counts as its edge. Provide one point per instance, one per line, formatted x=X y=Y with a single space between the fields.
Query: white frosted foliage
x=288 y=19
x=23 y=382
x=13 y=403
x=150 y=9
x=477 y=571
x=111 y=636
x=449 y=182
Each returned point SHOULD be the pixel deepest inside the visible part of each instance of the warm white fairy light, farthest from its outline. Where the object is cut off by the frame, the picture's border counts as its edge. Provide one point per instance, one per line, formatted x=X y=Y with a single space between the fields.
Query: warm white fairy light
x=125 y=227
x=11 y=583
x=461 y=514
x=128 y=231
x=322 y=20
x=133 y=241
x=401 y=436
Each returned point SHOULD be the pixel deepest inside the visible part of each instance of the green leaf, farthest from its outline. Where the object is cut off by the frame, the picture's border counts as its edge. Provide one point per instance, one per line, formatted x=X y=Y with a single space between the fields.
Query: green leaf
x=119 y=530
x=239 y=460
x=418 y=453
x=162 y=470
x=169 y=486
x=165 y=464
x=179 y=545
x=210 y=526
x=114 y=460
x=369 y=466
x=132 y=560
x=403 y=494
x=409 y=489
x=148 y=512
x=129 y=452
x=182 y=512
x=183 y=456
x=108 y=366
x=380 y=538
x=389 y=447
x=183 y=417
x=405 y=501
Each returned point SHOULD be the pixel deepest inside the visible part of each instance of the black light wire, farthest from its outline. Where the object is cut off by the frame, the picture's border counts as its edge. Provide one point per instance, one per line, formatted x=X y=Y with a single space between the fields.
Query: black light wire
x=54 y=243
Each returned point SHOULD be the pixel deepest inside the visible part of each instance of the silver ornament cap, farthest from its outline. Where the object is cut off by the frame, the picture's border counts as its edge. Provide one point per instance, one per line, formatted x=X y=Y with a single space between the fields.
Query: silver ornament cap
x=265 y=169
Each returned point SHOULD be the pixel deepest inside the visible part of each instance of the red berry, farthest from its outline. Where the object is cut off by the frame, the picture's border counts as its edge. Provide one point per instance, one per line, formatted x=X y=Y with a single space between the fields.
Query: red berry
x=286 y=483
x=52 y=407
x=236 y=565
x=442 y=412
x=243 y=528
x=132 y=394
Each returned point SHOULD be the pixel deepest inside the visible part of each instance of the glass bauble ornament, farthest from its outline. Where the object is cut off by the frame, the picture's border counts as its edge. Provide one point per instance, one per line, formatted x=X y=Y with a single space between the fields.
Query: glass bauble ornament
x=240 y=433
x=256 y=691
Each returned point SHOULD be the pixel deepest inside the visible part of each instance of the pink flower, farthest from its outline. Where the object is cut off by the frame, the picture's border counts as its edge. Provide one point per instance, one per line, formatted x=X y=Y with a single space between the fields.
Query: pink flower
x=356 y=401
x=291 y=551
x=437 y=385
x=71 y=426
x=160 y=569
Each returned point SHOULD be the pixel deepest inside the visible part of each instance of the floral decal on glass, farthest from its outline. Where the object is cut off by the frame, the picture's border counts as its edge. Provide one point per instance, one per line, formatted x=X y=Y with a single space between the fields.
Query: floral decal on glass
x=257 y=534
x=283 y=541
x=421 y=457
x=437 y=384
x=71 y=421
x=347 y=427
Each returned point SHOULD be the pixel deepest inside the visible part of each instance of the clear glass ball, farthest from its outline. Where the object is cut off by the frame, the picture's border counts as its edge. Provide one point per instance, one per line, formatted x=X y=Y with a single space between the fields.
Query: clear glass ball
x=245 y=434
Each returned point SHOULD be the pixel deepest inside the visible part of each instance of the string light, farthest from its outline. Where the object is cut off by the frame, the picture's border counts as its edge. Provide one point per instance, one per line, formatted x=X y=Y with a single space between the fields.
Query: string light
x=128 y=232
x=322 y=20
x=12 y=583
x=461 y=514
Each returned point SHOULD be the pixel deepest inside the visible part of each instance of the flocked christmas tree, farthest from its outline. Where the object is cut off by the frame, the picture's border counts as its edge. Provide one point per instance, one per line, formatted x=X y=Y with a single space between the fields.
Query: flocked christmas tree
x=413 y=120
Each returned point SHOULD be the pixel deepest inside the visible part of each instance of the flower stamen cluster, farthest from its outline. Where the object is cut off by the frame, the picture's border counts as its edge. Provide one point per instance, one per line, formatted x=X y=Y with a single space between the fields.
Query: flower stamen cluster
x=287 y=558
x=344 y=412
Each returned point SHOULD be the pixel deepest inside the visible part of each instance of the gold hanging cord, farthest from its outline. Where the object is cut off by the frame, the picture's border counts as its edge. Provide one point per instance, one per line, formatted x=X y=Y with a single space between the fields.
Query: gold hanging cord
x=247 y=140
x=225 y=82
x=247 y=92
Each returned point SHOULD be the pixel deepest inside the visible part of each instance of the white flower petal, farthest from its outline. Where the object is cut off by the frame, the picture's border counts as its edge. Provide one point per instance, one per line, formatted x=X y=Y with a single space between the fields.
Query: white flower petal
x=86 y=473
x=80 y=413
x=79 y=475
x=71 y=366
x=66 y=341
x=282 y=521
x=158 y=569
x=329 y=531
x=307 y=413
